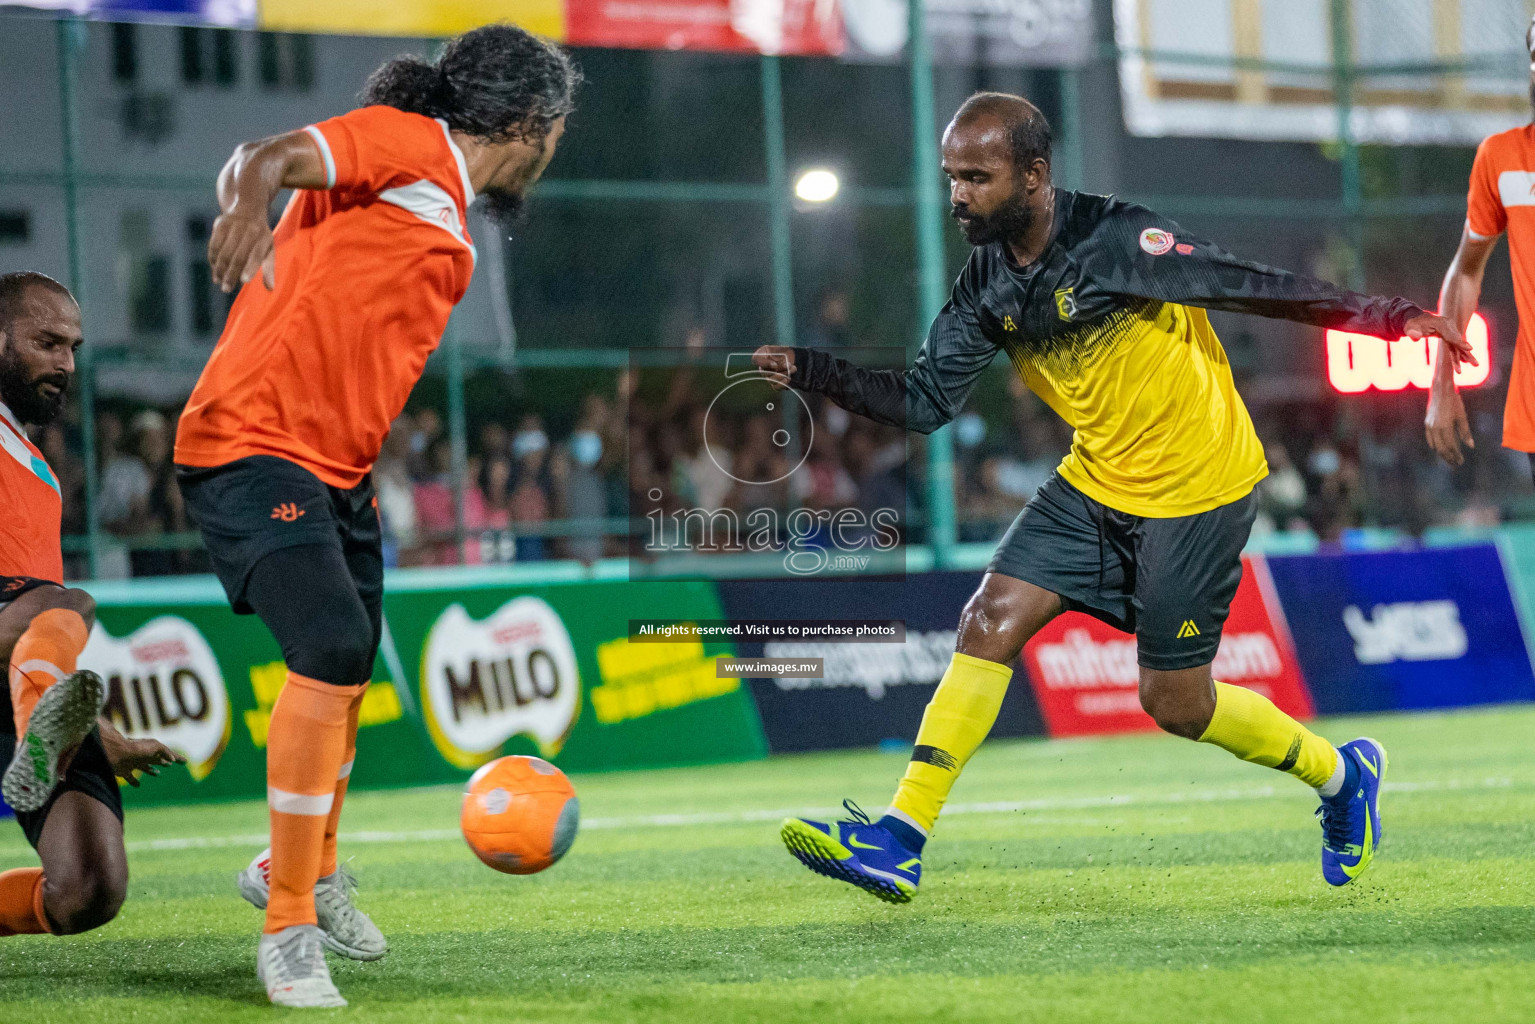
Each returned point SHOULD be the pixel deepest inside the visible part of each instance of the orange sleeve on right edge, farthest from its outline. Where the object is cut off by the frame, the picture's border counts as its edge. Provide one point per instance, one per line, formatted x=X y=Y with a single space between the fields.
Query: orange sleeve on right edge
x=1485 y=215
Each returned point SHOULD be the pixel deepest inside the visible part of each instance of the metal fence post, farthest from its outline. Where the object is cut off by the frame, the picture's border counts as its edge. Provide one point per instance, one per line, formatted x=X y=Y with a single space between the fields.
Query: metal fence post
x=1071 y=162
x=458 y=435
x=1348 y=148
x=926 y=186
x=70 y=36
x=778 y=201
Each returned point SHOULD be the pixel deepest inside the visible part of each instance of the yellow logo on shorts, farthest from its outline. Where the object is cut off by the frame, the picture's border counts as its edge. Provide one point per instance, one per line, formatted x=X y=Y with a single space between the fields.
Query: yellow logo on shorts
x=1008 y=325
x=1188 y=630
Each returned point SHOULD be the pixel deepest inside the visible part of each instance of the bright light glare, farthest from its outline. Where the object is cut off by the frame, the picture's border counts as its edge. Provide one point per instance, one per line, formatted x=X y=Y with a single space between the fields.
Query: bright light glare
x=1358 y=362
x=817 y=185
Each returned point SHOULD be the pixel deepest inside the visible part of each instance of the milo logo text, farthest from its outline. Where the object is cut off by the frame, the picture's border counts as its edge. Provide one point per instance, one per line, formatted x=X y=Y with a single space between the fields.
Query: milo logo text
x=163 y=681
x=511 y=674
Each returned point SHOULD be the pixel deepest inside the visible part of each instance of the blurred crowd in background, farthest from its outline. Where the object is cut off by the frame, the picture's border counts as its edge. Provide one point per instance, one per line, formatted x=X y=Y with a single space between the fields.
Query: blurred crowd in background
x=532 y=492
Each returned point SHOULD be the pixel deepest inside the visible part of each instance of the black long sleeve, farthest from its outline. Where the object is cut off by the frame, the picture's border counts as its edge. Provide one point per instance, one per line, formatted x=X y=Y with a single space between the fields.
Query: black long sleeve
x=928 y=394
x=1124 y=260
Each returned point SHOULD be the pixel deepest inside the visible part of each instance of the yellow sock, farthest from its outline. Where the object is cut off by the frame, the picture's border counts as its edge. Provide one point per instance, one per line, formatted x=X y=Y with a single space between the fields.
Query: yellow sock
x=957 y=719
x=1251 y=727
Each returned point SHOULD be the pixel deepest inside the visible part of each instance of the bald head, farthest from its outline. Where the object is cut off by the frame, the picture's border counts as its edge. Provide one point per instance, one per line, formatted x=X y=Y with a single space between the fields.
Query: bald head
x=1026 y=128
x=17 y=289
x=39 y=333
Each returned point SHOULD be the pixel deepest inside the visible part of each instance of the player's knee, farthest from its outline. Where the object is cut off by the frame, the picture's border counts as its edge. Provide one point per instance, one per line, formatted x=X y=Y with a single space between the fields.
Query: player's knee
x=1172 y=708
x=343 y=657
x=992 y=621
x=80 y=899
x=81 y=603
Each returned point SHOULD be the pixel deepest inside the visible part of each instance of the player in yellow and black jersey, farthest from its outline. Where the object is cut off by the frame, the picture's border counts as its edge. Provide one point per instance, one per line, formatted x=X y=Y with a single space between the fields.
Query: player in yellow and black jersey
x=1100 y=306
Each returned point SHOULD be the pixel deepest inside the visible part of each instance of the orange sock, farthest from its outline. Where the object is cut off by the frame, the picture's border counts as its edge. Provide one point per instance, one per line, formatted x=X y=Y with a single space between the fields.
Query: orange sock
x=348 y=755
x=306 y=745
x=21 y=902
x=45 y=654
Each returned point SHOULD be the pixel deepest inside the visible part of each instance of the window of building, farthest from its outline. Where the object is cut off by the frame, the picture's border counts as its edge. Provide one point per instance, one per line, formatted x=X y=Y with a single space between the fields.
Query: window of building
x=286 y=61
x=192 y=55
x=225 y=62
x=15 y=227
x=148 y=274
x=125 y=53
x=209 y=306
x=209 y=56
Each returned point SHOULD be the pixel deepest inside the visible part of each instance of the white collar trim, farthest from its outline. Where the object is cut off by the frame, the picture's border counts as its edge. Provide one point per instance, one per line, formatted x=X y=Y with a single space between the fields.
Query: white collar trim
x=10 y=417
x=458 y=155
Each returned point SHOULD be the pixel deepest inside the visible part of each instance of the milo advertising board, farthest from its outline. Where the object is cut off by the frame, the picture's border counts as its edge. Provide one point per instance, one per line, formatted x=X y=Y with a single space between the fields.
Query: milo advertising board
x=550 y=671
x=465 y=676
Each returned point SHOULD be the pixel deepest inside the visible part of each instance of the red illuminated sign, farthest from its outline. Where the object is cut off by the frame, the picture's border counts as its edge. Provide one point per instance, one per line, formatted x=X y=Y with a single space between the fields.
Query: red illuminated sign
x=1358 y=362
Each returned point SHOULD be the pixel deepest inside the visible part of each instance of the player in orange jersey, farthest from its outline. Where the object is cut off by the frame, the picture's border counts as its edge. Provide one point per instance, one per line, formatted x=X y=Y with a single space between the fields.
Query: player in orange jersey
x=60 y=778
x=1501 y=199
x=338 y=312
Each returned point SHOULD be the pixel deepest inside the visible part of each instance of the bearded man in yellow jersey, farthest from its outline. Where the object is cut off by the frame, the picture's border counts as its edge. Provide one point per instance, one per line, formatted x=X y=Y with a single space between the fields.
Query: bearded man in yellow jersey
x=1100 y=306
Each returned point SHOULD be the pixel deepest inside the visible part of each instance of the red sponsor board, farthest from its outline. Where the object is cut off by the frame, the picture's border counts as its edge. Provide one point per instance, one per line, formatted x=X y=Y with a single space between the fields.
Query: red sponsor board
x=1086 y=676
x=794 y=27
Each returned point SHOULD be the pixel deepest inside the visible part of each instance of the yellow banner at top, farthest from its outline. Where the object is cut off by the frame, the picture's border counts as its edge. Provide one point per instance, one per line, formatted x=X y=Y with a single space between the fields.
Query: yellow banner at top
x=417 y=18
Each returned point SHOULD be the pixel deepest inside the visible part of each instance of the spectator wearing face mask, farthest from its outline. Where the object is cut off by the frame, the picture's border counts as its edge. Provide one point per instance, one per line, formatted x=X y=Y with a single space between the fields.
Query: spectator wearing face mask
x=584 y=495
x=528 y=503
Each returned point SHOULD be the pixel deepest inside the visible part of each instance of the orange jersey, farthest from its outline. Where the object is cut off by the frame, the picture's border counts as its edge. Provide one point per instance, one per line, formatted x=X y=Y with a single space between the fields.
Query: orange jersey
x=367 y=273
x=1502 y=198
x=30 y=508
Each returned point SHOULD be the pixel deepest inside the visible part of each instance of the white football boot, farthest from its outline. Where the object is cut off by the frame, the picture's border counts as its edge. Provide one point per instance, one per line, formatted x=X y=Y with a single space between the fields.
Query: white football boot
x=64 y=715
x=343 y=928
x=291 y=965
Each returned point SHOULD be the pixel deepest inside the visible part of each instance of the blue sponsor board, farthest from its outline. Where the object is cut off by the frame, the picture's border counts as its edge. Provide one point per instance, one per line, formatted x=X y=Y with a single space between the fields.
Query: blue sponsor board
x=227 y=13
x=869 y=692
x=1392 y=630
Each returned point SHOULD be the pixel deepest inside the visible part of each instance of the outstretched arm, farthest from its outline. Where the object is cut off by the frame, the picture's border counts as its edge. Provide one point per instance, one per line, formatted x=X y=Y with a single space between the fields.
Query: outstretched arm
x=1174 y=266
x=1445 y=424
x=923 y=398
x=241 y=244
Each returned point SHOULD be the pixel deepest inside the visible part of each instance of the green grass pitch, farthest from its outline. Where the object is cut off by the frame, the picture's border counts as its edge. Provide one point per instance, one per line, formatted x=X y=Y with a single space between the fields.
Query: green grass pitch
x=1144 y=879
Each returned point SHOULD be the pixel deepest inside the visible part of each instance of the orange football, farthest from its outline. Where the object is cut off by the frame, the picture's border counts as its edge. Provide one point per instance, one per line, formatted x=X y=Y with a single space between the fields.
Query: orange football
x=520 y=814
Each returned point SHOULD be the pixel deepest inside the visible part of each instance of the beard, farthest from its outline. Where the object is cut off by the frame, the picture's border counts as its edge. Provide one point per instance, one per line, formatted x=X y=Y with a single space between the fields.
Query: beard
x=504 y=207
x=1011 y=219
x=24 y=394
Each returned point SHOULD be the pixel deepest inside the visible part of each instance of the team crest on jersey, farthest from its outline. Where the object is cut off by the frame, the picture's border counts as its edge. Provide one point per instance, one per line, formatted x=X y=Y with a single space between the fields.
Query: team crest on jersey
x=1155 y=241
x=1066 y=303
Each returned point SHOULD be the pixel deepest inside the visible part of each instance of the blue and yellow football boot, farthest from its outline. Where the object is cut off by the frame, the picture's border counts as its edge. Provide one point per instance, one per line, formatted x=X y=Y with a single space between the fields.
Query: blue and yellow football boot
x=1351 y=830
x=856 y=851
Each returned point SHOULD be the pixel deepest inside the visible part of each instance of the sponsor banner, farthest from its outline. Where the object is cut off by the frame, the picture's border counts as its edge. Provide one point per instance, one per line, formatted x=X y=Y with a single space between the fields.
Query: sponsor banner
x=1176 y=77
x=791 y=27
x=487 y=670
x=228 y=13
x=399 y=18
x=163 y=681
x=1391 y=630
x=1021 y=33
x=866 y=693
x=1086 y=676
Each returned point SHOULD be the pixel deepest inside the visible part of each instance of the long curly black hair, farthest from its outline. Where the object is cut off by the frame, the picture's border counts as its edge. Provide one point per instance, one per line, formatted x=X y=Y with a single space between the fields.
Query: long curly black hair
x=496 y=83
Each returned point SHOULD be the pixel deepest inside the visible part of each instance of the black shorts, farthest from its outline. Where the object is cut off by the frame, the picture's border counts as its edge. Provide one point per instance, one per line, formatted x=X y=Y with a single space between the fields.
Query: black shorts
x=1168 y=581
x=89 y=773
x=254 y=506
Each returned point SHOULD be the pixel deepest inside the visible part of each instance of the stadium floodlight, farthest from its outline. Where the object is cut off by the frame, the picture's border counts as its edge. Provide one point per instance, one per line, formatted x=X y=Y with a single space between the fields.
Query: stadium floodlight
x=817 y=185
